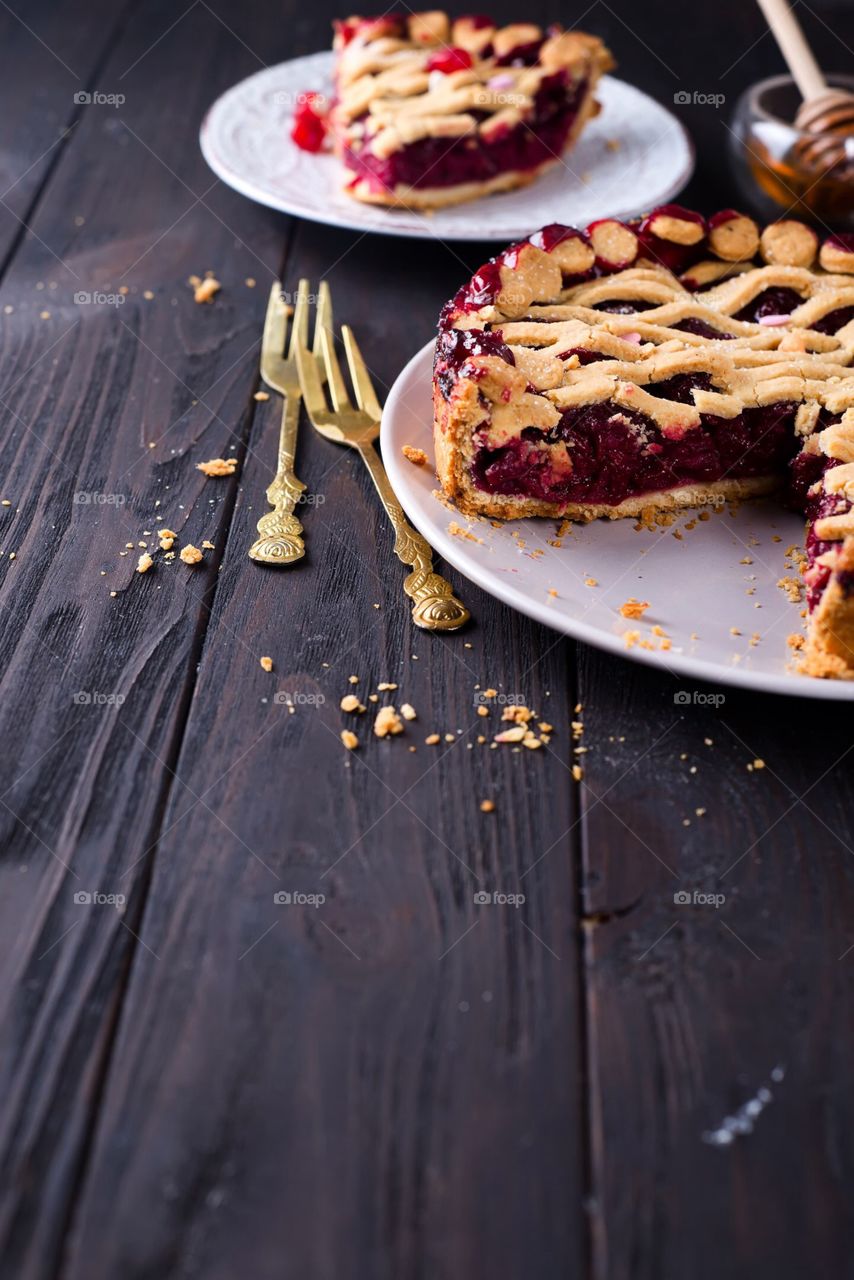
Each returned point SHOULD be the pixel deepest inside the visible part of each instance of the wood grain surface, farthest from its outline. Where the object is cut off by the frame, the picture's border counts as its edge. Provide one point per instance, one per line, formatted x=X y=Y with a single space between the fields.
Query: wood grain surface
x=385 y=1077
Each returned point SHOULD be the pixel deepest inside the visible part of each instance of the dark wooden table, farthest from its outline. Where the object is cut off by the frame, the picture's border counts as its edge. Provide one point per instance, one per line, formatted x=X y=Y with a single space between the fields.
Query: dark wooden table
x=398 y=1084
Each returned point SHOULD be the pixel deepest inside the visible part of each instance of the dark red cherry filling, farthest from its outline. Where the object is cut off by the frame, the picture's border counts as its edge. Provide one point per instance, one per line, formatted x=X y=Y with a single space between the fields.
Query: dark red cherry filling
x=843 y=240
x=701 y=327
x=624 y=306
x=448 y=162
x=455 y=346
x=834 y=320
x=770 y=302
x=584 y=356
x=483 y=289
x=617 y=454
x=524 y=55
x=806 y=494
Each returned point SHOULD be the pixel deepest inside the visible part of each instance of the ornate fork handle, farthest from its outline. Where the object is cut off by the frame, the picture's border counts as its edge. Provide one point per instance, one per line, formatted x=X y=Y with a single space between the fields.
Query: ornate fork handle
x=435 y=607
x=281 y=533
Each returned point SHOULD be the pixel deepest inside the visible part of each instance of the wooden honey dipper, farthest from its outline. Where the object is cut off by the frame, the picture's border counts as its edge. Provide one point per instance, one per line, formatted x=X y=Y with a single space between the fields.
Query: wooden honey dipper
x=826 y=113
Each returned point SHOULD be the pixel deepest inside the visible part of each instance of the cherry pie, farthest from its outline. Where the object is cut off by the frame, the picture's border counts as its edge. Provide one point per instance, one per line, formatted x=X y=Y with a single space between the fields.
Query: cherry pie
x=666 y=362
x=430 y=111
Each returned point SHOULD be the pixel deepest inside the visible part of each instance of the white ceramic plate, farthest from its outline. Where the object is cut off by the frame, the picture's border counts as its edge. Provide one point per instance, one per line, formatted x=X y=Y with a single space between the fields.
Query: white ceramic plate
x=699 y=586
x=245 y=138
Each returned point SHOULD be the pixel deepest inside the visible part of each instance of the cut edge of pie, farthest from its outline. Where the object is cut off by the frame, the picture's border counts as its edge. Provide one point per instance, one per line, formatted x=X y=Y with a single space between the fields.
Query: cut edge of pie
x=431 y=111
x=671 y=361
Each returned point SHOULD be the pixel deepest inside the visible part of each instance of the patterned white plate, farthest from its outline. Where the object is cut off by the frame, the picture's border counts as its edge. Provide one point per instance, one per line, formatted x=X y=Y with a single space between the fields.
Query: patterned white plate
x=245 y=138
x=711 y=590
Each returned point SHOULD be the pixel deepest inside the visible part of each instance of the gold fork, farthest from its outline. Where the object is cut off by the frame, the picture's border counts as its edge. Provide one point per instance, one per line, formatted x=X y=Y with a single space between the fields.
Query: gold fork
x=281 y=533
x=435 y=607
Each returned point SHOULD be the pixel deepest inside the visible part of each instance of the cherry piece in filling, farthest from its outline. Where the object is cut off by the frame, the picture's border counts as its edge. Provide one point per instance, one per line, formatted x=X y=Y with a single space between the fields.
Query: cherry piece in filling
x=449 y=60
x=309 y=127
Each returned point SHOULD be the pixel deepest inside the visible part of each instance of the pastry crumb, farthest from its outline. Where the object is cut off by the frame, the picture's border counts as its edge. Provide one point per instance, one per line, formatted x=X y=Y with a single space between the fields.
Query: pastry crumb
x=204 y=290
x=634 y=608
x=577 y=772
x=516 y=734
x=351 y=703
x=191 y=554
x=432 y=740
x=218 y=467
x=416 y=456
x=792 y=588
x=349 y=739
x=387 y=722
x=261 y=396
x=487 y=806
x=457 y=531
x=408 y=711
x=266 y=663
x=144 y=563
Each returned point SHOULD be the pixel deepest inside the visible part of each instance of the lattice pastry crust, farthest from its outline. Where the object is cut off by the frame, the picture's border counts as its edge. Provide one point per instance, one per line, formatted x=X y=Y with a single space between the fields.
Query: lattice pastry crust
x=403 y=80
x=697 y=342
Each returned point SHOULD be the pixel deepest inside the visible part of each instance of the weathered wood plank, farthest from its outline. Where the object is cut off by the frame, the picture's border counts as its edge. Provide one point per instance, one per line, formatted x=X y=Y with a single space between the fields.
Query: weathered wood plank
x=694 y=1006
x=85 y=390
x=354 y=1088
x=51 y=55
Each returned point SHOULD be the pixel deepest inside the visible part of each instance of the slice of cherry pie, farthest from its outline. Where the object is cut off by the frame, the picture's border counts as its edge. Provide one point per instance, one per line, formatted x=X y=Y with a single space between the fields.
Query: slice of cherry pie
x=668 y=362
x=430 y=111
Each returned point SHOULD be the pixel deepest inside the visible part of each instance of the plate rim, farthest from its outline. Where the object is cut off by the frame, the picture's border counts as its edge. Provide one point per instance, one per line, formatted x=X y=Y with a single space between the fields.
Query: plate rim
x=350 y=222
x=455 y=553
